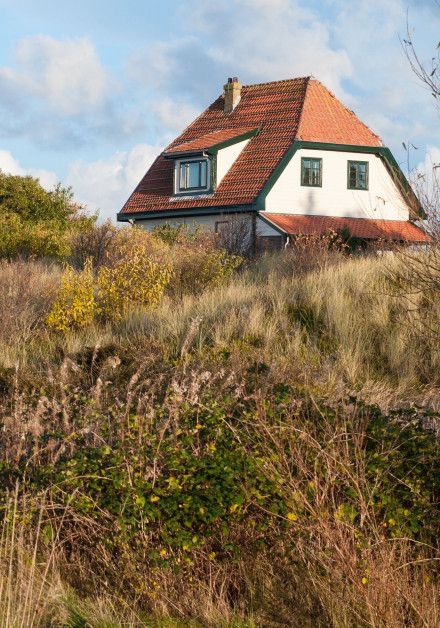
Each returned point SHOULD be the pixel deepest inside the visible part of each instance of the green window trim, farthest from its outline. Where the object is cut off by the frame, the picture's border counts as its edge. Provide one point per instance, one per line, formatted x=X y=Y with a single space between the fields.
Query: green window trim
x=311 y=172
x=361 y=180
x=193 y=175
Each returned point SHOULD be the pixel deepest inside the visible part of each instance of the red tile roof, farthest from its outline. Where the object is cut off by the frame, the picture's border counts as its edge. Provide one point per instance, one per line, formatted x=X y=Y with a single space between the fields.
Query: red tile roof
x=300 y=108
x=369 y=229
x=209 y=140
x=326 y=119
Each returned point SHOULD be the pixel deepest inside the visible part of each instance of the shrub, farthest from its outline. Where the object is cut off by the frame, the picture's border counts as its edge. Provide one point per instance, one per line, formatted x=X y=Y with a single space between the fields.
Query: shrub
x=199 y=478
x=136 y=280
x=197 y=268
x=179 y=234
x=75 y=305
x=309 y=252
x=235 y=237
x=26 y=198
x=95 y=243
x=20 y=238
x=129 y=239
x=35 y=222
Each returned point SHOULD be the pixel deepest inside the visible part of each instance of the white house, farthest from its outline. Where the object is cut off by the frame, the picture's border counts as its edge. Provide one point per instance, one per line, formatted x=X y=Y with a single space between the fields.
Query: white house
x=287 y=155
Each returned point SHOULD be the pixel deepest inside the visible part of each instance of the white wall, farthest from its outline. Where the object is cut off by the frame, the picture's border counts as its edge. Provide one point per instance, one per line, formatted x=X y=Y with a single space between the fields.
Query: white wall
x=382 y=200
x=208 y=222
x=226 y=157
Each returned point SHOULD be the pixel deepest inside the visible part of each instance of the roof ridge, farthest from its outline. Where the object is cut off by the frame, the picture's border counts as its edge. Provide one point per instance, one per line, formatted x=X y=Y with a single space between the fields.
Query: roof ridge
x=289 y=80
x=298 y=126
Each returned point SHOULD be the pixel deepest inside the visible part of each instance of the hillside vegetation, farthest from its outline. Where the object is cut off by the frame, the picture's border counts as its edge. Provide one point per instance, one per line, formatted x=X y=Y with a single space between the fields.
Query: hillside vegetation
x=192 y=439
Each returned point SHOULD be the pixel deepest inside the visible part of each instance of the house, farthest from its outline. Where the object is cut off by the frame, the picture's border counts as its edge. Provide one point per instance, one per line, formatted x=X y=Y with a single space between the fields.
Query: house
x=289 y=158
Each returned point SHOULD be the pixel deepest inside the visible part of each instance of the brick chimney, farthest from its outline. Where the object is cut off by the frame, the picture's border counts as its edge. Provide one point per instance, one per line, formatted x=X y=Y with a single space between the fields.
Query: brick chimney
x=232 y=94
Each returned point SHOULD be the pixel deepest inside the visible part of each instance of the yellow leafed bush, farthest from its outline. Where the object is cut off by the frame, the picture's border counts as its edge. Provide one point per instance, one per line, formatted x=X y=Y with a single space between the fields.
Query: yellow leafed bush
x=135 y=280
x=75 y=305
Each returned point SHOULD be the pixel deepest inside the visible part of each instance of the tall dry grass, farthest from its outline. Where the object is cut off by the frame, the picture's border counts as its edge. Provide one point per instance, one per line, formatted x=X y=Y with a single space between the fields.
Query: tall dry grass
x=356 y=575
x=336 y=330
x=33 y=592
x=341 y=326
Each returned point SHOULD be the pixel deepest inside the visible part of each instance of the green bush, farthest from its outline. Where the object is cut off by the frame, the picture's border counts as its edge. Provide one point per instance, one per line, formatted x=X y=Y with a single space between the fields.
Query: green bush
x=35 y=222
x=188 y=475
x=25 y=197
x=20 y=238
x=197 y=268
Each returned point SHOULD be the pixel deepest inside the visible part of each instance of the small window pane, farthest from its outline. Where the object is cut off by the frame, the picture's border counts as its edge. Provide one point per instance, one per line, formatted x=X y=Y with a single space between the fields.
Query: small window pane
x=362 y=179
x=352 y=175
x=194 y=174
x=203 y=174
x=182 y=180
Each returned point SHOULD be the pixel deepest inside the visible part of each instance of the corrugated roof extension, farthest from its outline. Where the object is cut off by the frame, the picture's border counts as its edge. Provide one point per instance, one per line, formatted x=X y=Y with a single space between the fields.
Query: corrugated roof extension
x=300 y=108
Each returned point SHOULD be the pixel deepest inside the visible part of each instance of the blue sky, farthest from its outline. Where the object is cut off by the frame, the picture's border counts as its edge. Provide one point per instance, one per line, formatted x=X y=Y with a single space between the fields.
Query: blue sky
x=90 y=91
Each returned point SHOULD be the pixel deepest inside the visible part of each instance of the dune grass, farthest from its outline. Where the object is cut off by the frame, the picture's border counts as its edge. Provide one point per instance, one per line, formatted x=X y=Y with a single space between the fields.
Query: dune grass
x=263 y=383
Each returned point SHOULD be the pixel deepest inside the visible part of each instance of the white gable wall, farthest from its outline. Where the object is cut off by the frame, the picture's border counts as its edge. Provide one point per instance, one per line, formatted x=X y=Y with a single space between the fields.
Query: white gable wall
x=381 y=201
x=226 y=157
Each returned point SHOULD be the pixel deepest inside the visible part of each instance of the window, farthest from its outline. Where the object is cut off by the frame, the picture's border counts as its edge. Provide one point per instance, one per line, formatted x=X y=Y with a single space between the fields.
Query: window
x=192 y=175
x=357 y=176
x=311 y=171
x=221 y=226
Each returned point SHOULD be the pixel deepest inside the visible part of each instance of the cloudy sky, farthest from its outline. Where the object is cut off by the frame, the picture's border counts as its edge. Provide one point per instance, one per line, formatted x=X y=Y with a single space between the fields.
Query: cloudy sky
x=91 y=90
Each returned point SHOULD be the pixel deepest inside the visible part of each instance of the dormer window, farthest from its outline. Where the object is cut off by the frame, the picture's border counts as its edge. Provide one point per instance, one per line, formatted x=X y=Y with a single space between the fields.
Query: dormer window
x=192 y=175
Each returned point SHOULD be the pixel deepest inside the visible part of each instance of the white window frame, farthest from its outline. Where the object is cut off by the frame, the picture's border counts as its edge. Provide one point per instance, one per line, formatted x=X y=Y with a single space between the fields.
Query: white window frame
x=178 y=162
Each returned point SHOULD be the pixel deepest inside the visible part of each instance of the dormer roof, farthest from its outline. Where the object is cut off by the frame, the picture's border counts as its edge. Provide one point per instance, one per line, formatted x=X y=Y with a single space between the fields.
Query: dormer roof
x=211 y=141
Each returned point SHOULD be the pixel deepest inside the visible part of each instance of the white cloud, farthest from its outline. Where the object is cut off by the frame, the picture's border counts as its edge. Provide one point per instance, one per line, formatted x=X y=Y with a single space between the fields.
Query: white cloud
x=58 y=94
x=66 y=75
x=257 y=40
x=388 y=95
x=281 y=41
x=105 y=184
x=10 y=165
x=173 y=114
